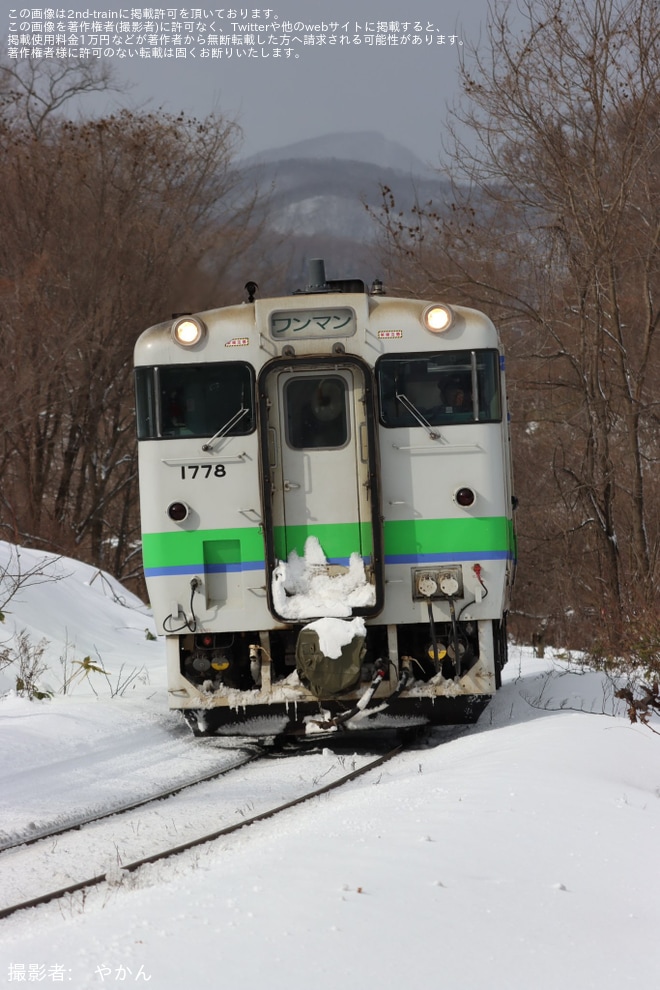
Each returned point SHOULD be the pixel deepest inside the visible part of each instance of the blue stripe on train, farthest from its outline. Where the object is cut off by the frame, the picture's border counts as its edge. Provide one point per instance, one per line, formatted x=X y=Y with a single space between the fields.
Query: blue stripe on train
x=246 y=565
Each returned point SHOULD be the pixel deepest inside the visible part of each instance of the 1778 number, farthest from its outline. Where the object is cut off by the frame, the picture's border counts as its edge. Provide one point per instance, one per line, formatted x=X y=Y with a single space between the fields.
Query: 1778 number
x=203 y=471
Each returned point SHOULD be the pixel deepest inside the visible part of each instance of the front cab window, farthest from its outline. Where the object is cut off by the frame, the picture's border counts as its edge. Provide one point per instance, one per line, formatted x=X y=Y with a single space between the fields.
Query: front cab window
x=442 y=389
x=180 y=401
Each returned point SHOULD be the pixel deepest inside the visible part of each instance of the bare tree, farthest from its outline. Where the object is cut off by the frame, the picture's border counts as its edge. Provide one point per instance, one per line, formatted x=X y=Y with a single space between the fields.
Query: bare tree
x=34 y=91
x=108 y=226
x=555 y=228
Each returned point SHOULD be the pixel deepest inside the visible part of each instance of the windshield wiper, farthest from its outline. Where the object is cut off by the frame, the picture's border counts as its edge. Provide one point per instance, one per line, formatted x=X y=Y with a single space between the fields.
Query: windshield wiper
x=414 y=411
x=222 y=432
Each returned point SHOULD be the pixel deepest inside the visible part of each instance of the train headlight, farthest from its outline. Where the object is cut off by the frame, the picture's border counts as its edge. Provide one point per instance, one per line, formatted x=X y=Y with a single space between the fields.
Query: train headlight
x=188 y=331
x=438 y=318
x=465 y=497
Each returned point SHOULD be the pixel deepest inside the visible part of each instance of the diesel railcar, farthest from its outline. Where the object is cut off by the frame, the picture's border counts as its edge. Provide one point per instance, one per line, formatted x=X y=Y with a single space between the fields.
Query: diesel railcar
x=327 y=509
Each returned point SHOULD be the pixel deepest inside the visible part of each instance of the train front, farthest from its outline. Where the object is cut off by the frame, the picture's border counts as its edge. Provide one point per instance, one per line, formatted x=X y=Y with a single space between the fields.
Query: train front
x=326 y=510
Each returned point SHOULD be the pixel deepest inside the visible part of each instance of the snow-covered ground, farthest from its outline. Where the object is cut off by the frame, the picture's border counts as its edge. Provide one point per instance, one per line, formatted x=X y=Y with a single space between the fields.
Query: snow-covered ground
x=521 y=853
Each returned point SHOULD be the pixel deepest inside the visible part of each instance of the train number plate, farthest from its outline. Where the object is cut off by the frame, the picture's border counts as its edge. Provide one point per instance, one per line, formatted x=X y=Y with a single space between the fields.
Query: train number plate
x=190 y=472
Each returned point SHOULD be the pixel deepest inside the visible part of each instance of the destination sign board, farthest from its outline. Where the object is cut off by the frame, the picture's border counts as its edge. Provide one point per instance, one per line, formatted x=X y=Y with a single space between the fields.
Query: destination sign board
x=302 y=324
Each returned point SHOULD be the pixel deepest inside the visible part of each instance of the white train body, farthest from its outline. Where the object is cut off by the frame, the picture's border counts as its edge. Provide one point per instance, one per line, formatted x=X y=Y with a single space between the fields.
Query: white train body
x=326 y=505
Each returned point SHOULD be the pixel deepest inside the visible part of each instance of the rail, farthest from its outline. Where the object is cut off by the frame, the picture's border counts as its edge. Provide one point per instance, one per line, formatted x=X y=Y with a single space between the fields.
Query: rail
x=52 y=895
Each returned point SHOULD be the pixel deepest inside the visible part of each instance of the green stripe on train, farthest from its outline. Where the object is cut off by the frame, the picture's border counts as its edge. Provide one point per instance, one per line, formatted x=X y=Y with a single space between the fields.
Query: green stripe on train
x=190 y=547
x=424 y=536
x=402 y=537
x=187 y=546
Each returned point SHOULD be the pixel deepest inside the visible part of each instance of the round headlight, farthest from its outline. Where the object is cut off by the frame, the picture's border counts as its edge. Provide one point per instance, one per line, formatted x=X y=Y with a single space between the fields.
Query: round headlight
x=188 y=331
x=438 y=318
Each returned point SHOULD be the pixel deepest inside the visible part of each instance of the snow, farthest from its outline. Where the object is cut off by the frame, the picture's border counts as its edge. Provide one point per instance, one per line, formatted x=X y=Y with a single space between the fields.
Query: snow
x=79 y=612
x=520 y=853
x=303 y=587
x=335 y=634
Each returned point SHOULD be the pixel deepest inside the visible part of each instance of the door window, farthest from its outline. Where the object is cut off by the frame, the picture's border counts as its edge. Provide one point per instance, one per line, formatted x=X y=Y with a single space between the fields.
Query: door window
x=316 y=412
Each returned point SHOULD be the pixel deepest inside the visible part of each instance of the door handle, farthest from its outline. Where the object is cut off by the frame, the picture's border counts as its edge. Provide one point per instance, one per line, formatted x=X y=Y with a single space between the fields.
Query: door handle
x=272 y=447
x=289 y=486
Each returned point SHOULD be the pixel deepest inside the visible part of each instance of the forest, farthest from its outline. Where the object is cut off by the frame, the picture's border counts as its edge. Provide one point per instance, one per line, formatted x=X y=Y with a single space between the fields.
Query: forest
x=113 y=223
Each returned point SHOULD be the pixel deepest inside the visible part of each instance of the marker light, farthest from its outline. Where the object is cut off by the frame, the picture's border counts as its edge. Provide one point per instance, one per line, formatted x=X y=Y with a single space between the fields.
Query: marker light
x=178 y=511
x=438 y=318
x=465 y=497
x=188 y=331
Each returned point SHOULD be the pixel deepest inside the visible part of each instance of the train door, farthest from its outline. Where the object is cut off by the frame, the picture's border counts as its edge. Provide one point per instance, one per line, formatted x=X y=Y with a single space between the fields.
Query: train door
x=322 y=479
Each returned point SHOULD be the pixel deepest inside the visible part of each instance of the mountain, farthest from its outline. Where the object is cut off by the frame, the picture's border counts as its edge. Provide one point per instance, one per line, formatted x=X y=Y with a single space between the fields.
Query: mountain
x=362 y=146
x=326 y=190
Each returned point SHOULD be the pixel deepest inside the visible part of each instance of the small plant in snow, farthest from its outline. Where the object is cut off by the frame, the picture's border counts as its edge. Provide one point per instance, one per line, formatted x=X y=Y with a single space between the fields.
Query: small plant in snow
x=5 y=657
x=28 y=658
x=124 y=681
x=86 y=667
x=20 y=651
x=83 y=668
x=642 y=703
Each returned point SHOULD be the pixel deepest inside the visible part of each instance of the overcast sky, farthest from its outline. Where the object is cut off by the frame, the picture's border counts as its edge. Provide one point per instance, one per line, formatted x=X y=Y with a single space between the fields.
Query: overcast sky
x=400 y=90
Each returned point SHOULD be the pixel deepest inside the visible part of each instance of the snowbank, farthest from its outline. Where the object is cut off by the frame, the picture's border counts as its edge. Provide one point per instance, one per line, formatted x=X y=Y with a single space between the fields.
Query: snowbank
x=76 y=611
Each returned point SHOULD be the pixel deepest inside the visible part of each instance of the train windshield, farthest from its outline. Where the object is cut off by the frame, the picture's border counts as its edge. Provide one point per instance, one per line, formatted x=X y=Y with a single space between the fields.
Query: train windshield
x=439 y=389
x=195 y=400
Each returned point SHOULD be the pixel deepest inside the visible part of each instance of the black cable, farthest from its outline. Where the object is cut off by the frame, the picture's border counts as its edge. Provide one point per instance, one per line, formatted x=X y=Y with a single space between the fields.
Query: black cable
x=191 y=623
x=454 y=629
x=434 y=639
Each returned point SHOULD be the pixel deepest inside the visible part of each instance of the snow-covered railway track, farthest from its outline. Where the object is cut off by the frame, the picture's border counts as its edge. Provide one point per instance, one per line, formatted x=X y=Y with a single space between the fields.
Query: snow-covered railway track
x=78 y=821
x=103 y=851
